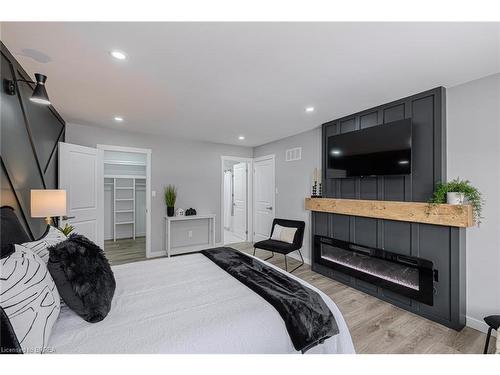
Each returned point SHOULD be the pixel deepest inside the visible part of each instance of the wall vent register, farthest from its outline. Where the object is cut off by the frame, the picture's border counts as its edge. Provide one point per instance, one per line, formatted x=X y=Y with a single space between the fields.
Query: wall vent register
x=293 y=154
x=409 y=276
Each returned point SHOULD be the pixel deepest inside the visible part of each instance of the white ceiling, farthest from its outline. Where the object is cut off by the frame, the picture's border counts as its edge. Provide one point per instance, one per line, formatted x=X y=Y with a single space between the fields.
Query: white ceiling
x=216 y=81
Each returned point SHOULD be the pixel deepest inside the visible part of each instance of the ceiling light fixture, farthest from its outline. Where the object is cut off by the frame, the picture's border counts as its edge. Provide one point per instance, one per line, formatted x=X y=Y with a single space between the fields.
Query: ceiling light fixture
x=241 y=137
x=118 y=119
x=39 y=95
x=309 y=109
x=119 y=55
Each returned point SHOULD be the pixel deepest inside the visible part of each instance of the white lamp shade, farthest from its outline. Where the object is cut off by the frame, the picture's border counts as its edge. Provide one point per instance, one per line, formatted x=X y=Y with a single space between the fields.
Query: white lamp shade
x=48 y=203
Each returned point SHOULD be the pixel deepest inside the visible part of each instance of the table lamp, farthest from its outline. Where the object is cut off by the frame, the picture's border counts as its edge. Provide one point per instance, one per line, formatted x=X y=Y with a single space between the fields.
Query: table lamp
x=48 y=203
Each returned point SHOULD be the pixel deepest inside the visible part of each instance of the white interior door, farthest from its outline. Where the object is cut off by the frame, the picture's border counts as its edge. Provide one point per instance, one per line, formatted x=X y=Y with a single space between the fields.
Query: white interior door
x=264 y=197
x=81 y=175
x=240 y=201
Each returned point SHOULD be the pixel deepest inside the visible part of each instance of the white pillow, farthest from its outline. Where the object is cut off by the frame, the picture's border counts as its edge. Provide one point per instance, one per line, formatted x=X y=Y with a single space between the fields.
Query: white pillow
x=283 y=234
x=52 y=237
x=29 y=297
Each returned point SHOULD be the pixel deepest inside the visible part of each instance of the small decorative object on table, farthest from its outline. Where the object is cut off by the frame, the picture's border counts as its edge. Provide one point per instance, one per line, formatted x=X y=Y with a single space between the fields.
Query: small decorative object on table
x=316 y=186
x=170 y=198
x=459 y=192
x=179 y=212
x=190 y=212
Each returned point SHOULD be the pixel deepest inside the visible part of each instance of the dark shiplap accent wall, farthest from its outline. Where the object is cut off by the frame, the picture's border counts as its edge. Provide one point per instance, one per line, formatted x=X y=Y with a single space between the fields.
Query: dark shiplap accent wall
x=29 y=144
x=444 y=246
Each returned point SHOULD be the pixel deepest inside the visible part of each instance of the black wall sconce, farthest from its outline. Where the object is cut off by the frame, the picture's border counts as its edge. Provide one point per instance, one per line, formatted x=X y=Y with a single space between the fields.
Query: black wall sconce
x=39 y=93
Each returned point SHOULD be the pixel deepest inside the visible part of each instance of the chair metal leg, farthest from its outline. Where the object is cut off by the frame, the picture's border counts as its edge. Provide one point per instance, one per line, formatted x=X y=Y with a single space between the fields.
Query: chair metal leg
x=254 y=251
x=300 y=265
x=487 y=341
x=270 y=256
x=286 y=265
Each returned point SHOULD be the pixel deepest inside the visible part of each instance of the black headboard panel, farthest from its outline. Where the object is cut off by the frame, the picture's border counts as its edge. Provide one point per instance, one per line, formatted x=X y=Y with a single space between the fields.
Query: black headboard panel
x=29 y=149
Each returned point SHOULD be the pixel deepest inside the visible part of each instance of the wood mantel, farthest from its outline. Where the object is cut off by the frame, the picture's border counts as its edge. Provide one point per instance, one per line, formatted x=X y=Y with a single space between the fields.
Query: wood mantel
x=439 y=214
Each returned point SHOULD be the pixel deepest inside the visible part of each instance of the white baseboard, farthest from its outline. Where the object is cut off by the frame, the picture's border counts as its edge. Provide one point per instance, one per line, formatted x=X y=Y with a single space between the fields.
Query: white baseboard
x=477 y=324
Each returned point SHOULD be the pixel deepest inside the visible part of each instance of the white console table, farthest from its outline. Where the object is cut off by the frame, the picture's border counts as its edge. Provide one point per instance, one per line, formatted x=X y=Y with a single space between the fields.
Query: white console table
x=210 y=218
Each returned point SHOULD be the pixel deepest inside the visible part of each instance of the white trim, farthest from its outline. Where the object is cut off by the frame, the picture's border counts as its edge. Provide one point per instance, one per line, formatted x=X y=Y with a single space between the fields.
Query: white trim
x=148 y=152
x=478 y=325
x=255 y=160
x=249 y=162
x=124 y=149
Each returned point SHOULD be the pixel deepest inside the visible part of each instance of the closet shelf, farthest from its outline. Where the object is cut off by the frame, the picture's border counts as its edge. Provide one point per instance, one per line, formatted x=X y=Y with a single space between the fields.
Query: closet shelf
x=125 y=176
x=125 y=162
x=124 y=199
x=124 y=188
x=124 y=222
x=123 y=211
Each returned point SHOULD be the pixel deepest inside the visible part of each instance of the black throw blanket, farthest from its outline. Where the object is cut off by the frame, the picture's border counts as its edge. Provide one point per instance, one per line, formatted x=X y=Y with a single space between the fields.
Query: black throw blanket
x=308 y=319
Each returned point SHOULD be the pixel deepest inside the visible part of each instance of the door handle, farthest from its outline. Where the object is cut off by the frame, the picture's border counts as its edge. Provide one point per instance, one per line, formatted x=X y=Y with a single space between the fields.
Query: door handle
x=269 y=208
x=68 y=217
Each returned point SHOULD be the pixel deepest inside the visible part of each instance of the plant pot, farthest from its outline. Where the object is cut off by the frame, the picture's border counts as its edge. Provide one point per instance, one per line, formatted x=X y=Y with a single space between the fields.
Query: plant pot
x=170 y=211
x=455 y=198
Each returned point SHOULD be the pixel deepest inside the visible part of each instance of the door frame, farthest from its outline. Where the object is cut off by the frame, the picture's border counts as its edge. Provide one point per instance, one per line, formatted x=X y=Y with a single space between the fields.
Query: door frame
x=255 y=160
x=148 y=153
x=240 y=159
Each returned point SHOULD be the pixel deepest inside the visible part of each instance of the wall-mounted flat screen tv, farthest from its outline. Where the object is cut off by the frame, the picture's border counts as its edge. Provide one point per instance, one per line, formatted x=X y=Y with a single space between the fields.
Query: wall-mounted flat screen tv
x=376 y=151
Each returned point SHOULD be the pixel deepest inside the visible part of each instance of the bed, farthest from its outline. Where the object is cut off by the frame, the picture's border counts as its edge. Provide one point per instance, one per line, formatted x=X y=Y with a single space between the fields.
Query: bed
x=186 y=304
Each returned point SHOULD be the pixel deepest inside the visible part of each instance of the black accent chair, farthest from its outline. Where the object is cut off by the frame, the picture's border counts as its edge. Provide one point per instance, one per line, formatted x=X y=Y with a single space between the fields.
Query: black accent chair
x=493 y=322
x=281 y=247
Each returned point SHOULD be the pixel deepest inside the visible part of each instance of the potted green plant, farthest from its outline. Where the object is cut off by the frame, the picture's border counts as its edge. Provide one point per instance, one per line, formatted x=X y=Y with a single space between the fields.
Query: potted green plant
x=68 y=228
x=170 y=198
x=460 y=192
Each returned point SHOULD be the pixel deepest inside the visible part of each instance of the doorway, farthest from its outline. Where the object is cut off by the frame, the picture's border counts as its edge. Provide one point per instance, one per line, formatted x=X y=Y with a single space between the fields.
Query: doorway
x=127 y=203
x=236 y=199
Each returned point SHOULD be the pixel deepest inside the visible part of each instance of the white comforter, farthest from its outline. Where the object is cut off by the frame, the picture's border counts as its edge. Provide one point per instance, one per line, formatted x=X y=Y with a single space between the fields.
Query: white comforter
x=185 y=304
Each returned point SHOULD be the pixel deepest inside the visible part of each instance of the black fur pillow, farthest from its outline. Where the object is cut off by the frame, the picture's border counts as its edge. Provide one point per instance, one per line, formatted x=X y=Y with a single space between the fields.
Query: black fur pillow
x=83 y=277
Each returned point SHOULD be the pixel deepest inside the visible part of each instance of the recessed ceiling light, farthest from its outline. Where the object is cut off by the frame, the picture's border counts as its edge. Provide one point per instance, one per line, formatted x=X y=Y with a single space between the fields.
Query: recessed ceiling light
x=241 y=137
x=119 y=55
x=118 y=119
x=402 y=162
x=309 y=109
x=335 y=152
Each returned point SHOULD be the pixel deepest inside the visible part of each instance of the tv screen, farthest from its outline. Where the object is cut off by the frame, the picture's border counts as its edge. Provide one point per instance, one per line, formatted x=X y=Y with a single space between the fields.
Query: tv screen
x=377 y=151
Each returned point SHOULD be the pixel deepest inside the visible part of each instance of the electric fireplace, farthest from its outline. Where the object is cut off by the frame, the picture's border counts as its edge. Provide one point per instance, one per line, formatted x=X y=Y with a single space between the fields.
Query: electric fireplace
x=406 y=275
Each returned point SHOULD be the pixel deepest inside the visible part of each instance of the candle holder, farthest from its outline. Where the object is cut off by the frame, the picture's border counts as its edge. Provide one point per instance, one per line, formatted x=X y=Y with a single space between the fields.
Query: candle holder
x=316 y=190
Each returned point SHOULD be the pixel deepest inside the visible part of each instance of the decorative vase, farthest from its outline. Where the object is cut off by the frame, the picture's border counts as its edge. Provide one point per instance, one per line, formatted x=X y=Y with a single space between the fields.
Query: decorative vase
x=170 y=211
x=455 y=198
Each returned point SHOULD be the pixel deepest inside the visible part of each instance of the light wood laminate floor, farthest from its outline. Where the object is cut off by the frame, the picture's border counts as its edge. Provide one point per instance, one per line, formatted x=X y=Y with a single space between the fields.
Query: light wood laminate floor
x=125 y=250
x=376 y=326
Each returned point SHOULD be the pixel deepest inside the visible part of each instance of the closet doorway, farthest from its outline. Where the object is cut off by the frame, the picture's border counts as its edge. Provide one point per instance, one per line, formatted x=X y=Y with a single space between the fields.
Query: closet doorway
x=127 y=203
x=236 y=200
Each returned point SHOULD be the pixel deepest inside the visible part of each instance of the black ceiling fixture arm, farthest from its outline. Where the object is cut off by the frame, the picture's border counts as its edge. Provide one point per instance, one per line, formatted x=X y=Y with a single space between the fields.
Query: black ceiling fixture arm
x=10 y=85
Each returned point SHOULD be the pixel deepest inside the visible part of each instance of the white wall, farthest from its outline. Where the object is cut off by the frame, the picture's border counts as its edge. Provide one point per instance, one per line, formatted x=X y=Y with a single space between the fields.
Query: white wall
x=194 y=167
x=294 y=178
x=473 y=136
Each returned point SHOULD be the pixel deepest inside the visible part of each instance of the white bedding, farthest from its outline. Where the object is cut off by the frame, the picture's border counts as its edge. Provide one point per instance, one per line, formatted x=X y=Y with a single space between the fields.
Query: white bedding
x=185 y=304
